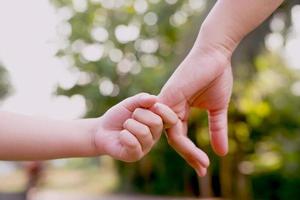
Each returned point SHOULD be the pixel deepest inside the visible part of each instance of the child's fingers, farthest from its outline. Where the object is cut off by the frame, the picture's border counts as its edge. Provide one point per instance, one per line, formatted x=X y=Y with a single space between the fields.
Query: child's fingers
x=143 y=100
x=169 y=117
x=141 y=132
x=150 y=119
x=132 y=149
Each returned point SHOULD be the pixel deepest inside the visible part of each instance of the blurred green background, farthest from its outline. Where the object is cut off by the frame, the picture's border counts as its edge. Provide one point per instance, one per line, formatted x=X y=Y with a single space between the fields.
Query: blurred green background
x=123 y=47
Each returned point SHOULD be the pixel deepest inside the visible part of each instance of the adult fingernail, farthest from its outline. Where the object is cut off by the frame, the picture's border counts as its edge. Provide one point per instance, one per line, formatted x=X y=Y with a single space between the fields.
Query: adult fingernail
x=201 y=171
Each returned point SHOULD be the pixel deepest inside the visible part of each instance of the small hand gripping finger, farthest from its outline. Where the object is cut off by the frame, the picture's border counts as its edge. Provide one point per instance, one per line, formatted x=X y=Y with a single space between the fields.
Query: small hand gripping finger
x=168 y=116
x=141 y=132
x=150 y=119
x=131 y=149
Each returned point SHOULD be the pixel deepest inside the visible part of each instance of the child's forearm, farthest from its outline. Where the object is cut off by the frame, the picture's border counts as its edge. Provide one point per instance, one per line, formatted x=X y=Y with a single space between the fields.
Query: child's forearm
x=29 y=138
x=230 y=20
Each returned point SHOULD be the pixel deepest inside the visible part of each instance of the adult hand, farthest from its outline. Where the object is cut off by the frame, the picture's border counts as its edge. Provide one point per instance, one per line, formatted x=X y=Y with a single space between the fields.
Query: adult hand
x=203 y=80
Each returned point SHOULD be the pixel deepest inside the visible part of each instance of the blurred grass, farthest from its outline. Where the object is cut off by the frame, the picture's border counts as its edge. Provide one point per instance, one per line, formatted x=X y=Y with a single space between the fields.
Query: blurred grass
x=71 y=177
x=13 y=182
x=92 y=179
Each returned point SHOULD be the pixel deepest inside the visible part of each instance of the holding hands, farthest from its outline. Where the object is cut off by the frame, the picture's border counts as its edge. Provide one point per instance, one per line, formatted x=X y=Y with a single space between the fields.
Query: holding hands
x=129 y=130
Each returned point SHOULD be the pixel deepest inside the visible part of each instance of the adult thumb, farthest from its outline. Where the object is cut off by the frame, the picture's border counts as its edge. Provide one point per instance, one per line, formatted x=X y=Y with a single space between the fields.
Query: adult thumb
x=218 y=131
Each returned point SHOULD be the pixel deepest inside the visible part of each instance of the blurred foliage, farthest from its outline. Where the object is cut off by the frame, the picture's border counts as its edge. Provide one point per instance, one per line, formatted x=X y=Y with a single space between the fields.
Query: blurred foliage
x=123 y=47
x=4 y=83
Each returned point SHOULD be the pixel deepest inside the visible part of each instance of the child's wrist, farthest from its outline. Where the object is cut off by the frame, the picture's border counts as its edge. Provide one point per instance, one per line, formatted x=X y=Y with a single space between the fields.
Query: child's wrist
x=96 y=126
x=88 y=128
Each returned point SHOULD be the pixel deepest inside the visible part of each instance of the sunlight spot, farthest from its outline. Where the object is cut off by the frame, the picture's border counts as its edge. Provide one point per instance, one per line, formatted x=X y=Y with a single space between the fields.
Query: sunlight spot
x=149 y=60
x=197 y=5
x=99 y=34
x=140 y=6
x=295 y=89
x=136 y=69
x=171 y=2
x=150 y=18
x=178 y=19
x=106 y=87
x=84 y=79
x=124 y=66
x=115 y=55
x=274 y=42
x=80 y=5
x=125 y=34
x=277 y=24
x=93 y=52
x=78 y=45
x=295 y=15
x=65 y=13
x=112 y=4
x=147 y=46
x=292 y=49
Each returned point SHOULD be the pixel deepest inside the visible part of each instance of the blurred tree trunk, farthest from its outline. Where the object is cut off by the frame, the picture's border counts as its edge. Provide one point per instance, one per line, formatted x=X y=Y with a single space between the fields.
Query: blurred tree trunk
x=226 y=177
x=242 y=187
x=205 y=185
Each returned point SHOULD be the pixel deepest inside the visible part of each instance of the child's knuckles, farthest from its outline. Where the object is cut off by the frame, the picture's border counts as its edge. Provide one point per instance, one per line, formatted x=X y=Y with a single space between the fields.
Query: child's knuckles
x=157 y=122
x=127 y=123
x=126 y=141
x=145 y=132
x=137 y=113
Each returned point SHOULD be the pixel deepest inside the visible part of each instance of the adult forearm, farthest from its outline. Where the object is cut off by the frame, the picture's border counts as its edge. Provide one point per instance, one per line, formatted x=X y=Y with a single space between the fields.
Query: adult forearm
x=231 y=20
x=29 y=138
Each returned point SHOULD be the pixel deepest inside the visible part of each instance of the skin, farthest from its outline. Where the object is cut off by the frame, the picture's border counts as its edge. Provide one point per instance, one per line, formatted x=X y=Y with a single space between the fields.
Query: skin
x=126 y=132
x=204 y=79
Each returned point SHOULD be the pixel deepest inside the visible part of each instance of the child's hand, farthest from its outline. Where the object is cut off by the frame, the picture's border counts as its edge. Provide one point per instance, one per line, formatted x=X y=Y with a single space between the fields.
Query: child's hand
x=129 y=130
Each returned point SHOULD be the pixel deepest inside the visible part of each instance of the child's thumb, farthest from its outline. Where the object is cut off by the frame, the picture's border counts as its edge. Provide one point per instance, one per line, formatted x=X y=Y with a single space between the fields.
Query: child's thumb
x=141 y=100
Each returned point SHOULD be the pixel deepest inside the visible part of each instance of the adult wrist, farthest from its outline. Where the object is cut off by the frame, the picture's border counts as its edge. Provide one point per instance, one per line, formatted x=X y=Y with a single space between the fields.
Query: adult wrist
x=212 y=41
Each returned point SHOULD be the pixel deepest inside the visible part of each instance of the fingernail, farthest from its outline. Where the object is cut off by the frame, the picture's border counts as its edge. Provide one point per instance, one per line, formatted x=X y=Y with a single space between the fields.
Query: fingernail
x=203 y=159
x=201 y=171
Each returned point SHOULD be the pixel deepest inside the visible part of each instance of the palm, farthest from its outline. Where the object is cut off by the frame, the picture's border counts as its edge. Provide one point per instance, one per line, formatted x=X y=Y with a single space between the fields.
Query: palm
x=112 y=125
